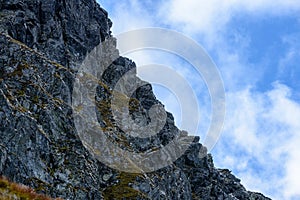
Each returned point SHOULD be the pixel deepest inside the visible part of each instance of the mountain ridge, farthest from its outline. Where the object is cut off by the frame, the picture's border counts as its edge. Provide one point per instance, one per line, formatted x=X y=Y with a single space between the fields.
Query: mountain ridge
x=41 y=51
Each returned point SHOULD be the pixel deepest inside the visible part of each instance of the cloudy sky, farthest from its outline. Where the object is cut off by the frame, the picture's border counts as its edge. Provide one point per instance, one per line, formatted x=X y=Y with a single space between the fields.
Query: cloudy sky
x=256 y=47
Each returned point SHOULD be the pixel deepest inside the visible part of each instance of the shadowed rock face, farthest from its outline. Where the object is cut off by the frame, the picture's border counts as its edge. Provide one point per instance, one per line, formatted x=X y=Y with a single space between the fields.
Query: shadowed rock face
x=63 y=30
x=42 y=44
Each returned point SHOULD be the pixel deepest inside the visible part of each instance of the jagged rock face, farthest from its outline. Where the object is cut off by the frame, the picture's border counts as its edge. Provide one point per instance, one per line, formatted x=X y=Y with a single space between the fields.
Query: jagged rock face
x=39 y=147
x=63 y=30
x=42 y=43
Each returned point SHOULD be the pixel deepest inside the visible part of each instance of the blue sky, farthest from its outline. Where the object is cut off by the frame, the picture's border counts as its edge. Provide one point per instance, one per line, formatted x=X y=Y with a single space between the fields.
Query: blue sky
x=256 y=46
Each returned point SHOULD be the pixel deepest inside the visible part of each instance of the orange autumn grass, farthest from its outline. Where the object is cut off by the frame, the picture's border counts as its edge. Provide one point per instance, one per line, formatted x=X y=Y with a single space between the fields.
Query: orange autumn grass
x=9 y=190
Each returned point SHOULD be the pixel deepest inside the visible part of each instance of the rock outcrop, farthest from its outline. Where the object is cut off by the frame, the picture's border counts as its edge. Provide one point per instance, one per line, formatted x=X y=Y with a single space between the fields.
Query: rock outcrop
x=42 y=44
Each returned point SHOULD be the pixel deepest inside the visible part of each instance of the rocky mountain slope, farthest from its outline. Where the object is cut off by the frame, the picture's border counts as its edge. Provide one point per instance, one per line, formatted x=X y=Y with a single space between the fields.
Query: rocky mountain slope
x=42 y=44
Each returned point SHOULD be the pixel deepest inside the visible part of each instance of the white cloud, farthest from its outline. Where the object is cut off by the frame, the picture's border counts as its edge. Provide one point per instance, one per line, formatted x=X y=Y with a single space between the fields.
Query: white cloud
x=203 y=16
x=261 y=141
x=284 y=110
x=242 y=107
x=287 y=112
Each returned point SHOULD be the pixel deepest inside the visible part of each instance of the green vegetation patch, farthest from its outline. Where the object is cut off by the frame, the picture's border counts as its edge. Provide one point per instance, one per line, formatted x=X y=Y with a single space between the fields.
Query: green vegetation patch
x=123 y=189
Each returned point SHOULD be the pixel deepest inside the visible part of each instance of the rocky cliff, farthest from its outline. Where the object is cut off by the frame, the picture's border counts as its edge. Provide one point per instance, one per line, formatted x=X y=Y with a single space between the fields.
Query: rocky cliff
x=42 y=45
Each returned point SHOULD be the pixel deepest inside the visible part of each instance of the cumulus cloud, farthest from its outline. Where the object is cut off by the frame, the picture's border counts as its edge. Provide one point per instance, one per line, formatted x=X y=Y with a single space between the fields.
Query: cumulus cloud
x=261 y=140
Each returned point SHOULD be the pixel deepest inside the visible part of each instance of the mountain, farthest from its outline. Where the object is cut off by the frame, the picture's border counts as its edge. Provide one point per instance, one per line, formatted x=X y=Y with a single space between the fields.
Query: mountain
x=42 y=46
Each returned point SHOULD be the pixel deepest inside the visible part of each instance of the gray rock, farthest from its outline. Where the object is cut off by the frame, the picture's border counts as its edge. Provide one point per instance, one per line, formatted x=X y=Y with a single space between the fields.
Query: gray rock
x=63 y=30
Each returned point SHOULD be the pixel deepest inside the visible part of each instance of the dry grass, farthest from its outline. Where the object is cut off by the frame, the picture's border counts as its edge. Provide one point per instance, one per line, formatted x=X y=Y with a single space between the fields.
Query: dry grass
x=10 y=190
